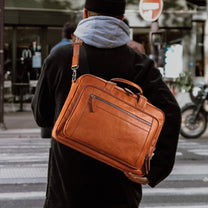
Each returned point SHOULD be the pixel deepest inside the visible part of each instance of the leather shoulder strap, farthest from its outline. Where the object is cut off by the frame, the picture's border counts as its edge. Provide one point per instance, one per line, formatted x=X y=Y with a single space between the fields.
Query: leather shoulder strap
x=75 y=59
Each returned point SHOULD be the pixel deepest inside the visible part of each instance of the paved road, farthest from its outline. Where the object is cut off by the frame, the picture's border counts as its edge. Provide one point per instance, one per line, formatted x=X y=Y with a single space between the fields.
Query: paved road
x=23 y=168
x=23 y=171
x=187 y=186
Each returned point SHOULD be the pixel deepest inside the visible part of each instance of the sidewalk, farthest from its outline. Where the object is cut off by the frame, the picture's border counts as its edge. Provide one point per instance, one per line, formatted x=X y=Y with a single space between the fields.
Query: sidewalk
x=19 y=123
x=22 y=124
x=24 y=154
x=14 y=119
x=24 y=120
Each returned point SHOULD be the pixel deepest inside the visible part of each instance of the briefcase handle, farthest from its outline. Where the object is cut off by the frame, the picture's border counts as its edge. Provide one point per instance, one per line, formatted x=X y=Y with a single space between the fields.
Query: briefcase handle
x=128 y=83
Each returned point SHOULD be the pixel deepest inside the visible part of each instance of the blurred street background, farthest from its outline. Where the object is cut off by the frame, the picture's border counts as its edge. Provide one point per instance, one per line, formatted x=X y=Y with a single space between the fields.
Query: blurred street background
x=178 y=44
x=24 y=158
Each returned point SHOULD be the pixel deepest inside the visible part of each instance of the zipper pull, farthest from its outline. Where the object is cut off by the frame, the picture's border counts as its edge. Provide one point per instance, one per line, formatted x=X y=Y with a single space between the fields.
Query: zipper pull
x=92 y=103
x=146 y=165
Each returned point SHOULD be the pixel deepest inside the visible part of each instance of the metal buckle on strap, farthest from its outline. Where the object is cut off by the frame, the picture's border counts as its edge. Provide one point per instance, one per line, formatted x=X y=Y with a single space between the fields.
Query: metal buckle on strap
x=75 y=58
x=74 y=72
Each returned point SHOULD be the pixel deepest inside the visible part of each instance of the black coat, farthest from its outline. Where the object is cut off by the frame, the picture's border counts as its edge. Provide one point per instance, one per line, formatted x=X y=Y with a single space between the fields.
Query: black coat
x=75 y=180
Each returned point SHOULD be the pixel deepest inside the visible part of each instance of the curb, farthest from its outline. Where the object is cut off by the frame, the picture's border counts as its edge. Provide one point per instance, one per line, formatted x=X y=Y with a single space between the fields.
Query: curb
x=20 y=133
x=14 y=131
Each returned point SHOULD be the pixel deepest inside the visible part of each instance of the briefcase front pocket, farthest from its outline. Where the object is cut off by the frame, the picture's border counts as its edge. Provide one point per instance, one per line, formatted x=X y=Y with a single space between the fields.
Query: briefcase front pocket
x=108 y=126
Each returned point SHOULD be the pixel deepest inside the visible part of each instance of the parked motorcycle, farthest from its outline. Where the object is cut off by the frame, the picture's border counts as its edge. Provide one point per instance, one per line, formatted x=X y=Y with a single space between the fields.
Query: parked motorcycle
x=194 y=115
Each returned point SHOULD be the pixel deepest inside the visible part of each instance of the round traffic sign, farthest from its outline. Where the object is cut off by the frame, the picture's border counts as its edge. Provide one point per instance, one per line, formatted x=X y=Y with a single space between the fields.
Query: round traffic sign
x=150 y=10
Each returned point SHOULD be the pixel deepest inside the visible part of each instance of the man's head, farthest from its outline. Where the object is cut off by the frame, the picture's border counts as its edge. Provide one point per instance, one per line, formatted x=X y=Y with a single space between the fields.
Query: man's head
x=68 y=30
x=114 y=8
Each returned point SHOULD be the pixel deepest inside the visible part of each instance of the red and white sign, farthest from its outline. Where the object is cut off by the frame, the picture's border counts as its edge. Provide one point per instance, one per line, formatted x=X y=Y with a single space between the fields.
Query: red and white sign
x=150 y=10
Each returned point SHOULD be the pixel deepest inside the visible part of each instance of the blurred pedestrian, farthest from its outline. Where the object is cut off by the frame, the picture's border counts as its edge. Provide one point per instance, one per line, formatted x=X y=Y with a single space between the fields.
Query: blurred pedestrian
x=67 y=35
x=133 y=44
x=67 y=38
x=136 y=46
x=74 y=179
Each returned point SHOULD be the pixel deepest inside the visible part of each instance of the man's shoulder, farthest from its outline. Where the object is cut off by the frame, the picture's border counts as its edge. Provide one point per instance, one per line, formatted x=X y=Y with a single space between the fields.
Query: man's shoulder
x=59 y=56
x=62 y=51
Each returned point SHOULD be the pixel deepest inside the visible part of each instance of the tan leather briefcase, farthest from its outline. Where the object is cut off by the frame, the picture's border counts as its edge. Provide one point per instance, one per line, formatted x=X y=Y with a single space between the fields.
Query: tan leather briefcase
x=109 y=123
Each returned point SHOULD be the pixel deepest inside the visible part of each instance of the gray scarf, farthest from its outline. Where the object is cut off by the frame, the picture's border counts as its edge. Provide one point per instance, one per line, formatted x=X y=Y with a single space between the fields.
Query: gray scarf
x=103 y=32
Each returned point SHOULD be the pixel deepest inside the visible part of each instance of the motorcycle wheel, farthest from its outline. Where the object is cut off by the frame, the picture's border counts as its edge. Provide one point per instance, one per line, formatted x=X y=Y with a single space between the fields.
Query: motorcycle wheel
x=189 y=127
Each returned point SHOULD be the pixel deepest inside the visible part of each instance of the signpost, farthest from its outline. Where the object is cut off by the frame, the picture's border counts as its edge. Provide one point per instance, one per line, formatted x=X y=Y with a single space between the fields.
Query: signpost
x=2 y=126
x=150 y=10
x=206 y=46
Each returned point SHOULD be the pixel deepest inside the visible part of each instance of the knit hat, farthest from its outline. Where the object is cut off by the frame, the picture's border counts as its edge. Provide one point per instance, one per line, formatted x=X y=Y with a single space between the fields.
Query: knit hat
x=108 y=7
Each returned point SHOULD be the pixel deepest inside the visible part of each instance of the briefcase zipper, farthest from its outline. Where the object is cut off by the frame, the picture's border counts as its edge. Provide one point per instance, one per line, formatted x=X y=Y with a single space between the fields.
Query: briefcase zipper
x=146 y=165
x=93 y=106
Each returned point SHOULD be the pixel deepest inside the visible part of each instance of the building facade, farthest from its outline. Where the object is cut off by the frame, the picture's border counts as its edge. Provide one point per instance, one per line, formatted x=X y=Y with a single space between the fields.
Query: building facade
x=33 y=27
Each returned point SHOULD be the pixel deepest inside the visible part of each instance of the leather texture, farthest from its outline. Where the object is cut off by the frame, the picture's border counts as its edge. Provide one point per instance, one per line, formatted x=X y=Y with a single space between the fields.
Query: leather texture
x=75 y=58
x=109 y=123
